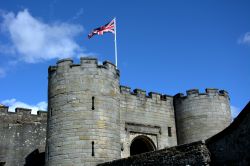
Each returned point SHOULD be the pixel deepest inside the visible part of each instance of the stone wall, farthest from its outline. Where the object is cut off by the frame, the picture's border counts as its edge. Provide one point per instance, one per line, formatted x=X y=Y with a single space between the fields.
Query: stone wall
x=92 y=119
x=201 y=115
x=84 y=116
x=232 y=145
x=152 y=116
x=22 y=137
x=195 y=154
x=229 y=147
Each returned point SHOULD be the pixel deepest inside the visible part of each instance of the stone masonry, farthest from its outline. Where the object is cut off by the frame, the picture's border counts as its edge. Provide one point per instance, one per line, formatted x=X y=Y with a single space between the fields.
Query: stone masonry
x=83 y=119
x=230 y=147
x=195 y=154
x=201 y=115
x=22 y=137
x=92 y=119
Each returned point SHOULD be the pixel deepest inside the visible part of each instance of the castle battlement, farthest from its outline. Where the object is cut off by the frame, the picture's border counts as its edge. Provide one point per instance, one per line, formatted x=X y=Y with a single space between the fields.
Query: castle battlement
x=197 y=112
x=142 y=94
x=85 y=62
x=208 y=92
x=92 y=119
x=22 y=114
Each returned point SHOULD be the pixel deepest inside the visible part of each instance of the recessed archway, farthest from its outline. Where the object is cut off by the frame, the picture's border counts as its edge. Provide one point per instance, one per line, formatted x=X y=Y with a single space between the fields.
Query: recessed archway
x=141 y=144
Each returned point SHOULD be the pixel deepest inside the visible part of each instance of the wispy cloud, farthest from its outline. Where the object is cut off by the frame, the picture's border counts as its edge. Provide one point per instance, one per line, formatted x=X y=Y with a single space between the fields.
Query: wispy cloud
x=13 y=103
x=2 y=72
x=78 y=14
x=235 y=111
x=245 y=39
x=34 y=40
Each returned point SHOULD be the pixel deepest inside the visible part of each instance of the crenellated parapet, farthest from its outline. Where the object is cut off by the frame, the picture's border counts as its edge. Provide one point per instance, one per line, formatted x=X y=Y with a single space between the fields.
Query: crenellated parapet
x=142 y=94
x=85 y=62
x=198 y=112
x=85 y=97
x=21 y=115
x=151 y=114
x=209 y=92
x=22 y=135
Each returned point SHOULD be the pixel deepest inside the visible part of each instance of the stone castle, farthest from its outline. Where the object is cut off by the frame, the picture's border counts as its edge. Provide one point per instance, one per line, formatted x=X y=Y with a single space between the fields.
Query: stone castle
x=92 y=119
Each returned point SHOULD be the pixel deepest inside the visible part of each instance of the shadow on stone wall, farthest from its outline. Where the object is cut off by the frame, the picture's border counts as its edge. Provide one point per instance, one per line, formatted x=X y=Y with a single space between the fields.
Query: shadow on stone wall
x=195 y=154
x=231 y=147
x=35 y=159
x=2 y=163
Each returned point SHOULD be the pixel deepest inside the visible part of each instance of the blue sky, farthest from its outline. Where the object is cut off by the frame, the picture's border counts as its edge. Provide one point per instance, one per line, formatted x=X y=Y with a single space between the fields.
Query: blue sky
x=163 y=46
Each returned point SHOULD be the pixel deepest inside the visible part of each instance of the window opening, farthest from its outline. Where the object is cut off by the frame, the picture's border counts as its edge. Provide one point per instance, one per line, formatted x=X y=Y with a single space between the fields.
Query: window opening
x=93 y=103
x=169 y=132
x=93 y=152
x=50 y=112
x=48 y=153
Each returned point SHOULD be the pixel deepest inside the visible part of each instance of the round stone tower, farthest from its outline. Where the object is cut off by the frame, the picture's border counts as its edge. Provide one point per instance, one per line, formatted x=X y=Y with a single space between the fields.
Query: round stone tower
x=201 y=115
x=83 y=113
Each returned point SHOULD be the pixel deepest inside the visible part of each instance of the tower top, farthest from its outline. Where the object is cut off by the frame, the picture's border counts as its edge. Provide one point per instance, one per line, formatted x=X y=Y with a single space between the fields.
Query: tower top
x=85 y=62
x=208 y=92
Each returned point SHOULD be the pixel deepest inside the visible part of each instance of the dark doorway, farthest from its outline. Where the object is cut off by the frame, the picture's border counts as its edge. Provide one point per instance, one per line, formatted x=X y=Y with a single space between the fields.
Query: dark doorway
x=35 y=158
x=2 y=163
x=141 y=144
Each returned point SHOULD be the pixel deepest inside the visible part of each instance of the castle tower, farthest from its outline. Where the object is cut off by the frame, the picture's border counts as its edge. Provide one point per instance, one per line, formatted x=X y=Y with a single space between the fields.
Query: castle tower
x=83 y=113
x=201 y=115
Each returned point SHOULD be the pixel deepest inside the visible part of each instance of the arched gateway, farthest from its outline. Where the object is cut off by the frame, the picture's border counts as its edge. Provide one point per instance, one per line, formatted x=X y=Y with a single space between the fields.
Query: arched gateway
x=141 y=144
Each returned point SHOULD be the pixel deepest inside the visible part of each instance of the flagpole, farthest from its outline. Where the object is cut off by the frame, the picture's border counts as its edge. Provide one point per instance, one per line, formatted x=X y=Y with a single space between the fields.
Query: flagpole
x=115 y=45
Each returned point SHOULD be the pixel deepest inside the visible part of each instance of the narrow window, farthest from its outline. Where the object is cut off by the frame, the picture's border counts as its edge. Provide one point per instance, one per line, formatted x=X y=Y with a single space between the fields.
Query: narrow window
x=93 y=152
x=169 y=132
x=93 y=103
x=48 y=153
x=50 y=112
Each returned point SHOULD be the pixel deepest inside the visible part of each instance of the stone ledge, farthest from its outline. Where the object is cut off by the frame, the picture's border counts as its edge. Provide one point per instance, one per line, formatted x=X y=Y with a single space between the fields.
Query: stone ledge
x=141 y=128
x=189 y=154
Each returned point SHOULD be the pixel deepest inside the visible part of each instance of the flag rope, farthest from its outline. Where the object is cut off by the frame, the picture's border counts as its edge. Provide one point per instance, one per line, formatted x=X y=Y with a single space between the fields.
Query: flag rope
x=115 y=44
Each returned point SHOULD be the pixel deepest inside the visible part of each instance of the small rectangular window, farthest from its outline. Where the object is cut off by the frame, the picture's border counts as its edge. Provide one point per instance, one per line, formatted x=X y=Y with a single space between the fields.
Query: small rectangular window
x=50 y=112
x=93 y=152
x=93 y=103
x=169 y=132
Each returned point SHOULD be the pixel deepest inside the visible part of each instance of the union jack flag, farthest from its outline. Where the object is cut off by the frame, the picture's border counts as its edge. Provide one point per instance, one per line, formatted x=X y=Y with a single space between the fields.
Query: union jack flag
x=109 y=27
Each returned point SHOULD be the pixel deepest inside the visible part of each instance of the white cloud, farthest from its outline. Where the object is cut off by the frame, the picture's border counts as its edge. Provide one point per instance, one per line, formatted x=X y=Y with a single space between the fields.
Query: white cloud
x=34 y=40
x=13 y=103
x=245 y=39
x=235 y=111
x=2 y=72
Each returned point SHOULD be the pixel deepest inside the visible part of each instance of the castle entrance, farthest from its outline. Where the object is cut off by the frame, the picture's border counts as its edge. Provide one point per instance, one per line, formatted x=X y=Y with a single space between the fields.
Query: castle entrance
x=141 y=144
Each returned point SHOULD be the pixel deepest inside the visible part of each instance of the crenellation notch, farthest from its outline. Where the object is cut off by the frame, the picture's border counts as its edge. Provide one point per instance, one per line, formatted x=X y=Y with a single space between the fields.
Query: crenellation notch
x=23 y=111
x=192 y=92
x=154 y=95
x=125 y=89
x=140 y=92
x=64 y=62
x=88 y=61
x=212 y=91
